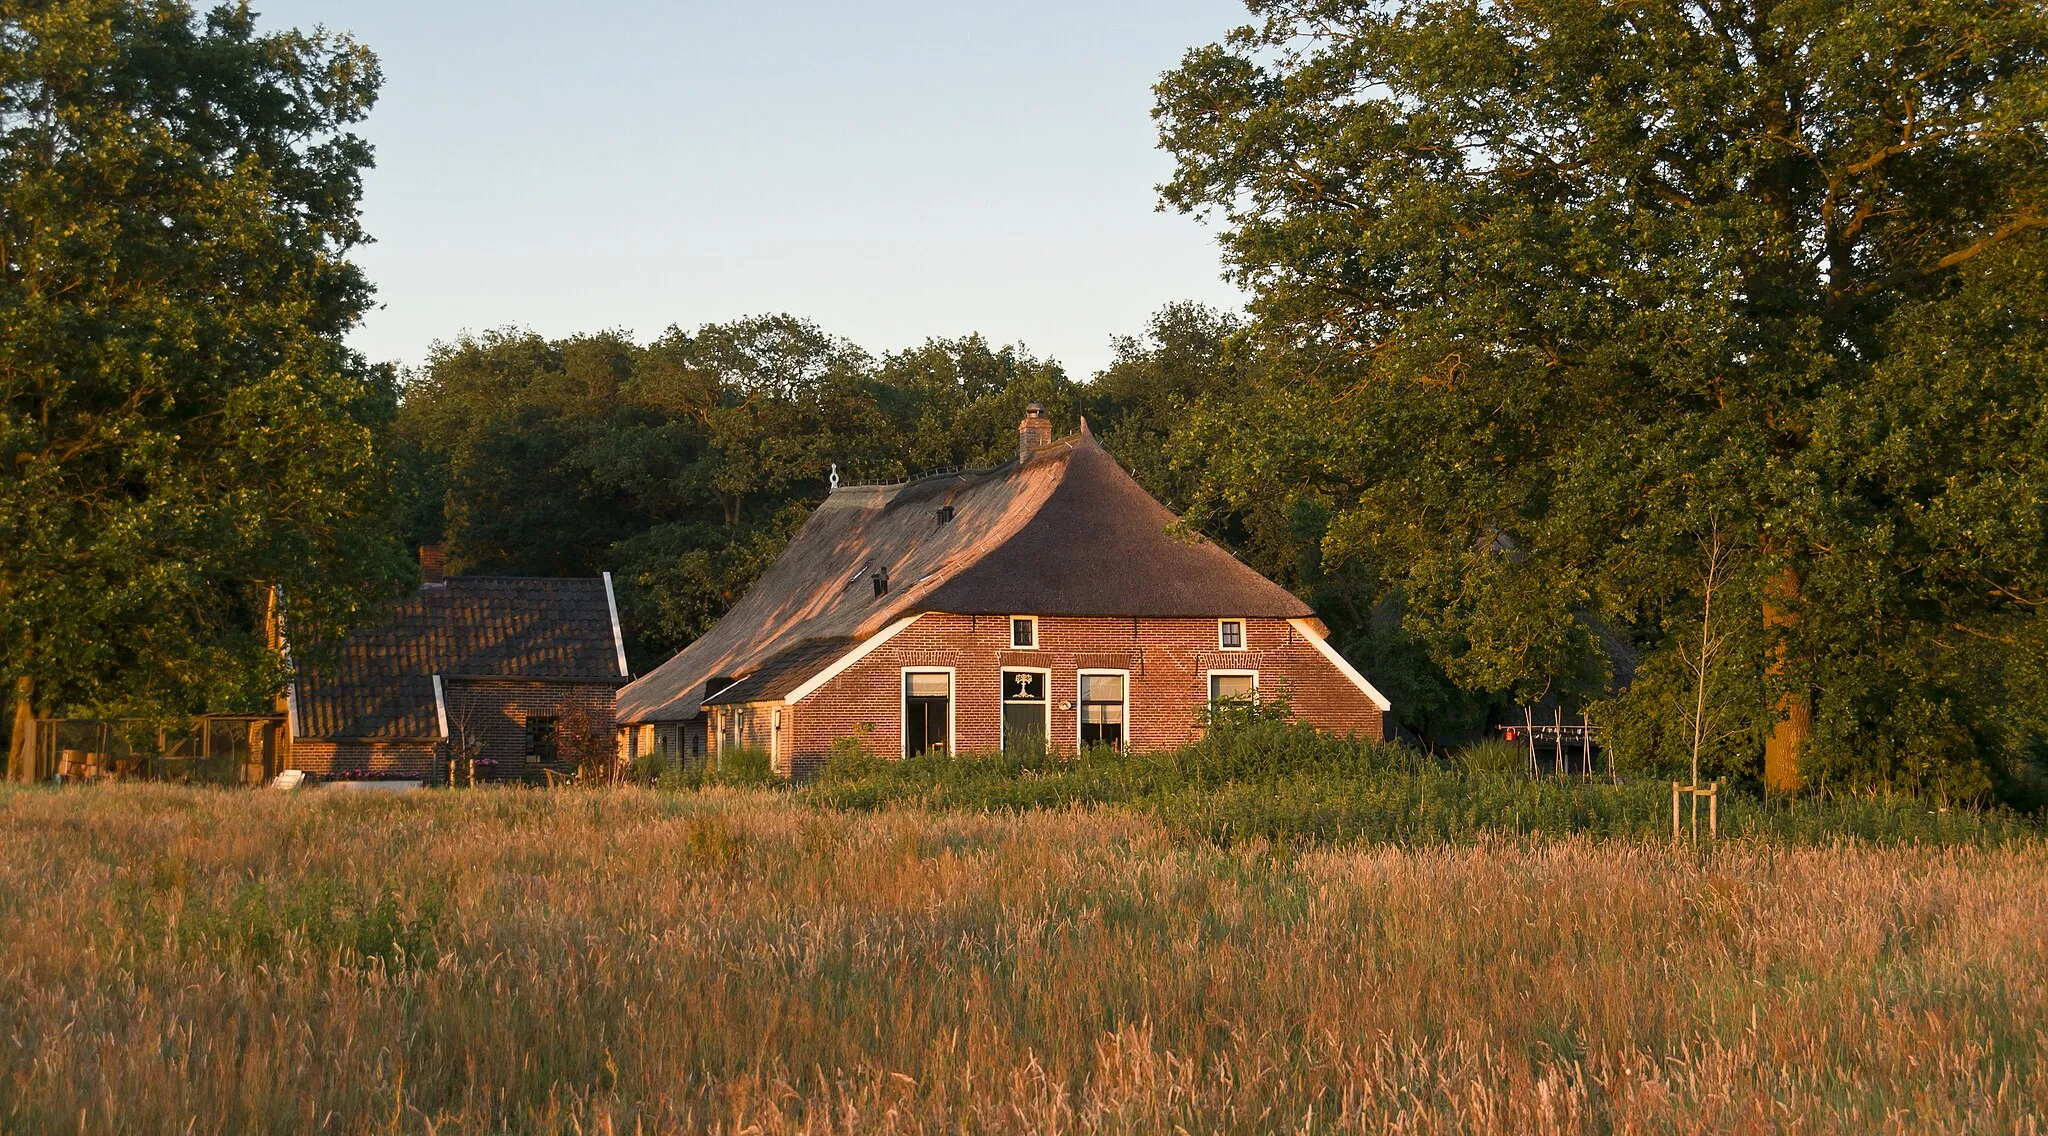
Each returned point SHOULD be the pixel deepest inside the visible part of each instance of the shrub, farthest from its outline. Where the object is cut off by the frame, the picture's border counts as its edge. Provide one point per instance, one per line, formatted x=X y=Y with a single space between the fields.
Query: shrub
x=1494 y=757
x=743 y=767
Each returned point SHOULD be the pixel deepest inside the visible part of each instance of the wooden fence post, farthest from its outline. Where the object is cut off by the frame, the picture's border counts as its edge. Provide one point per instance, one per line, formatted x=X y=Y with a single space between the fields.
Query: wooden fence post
x=1674 y=812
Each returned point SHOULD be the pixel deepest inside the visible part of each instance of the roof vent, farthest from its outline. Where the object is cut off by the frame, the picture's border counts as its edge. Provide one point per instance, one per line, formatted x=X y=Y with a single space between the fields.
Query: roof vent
x=881 y=578
x=945 y=514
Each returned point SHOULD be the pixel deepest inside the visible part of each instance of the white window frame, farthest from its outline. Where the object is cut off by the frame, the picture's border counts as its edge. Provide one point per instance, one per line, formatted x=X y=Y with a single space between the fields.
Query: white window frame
x=1080 y=705
x=903 y=708
x=1244 y=634
x=1210 y=677
x=1012 y=632
x=1003 y=703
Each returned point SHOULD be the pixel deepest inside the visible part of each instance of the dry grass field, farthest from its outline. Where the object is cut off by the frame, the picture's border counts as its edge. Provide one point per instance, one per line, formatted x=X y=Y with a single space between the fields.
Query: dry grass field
x=633 y=961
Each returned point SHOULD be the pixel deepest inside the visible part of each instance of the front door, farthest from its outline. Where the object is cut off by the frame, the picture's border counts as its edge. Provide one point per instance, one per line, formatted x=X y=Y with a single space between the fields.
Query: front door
x=927 y=712
x=1025 y=711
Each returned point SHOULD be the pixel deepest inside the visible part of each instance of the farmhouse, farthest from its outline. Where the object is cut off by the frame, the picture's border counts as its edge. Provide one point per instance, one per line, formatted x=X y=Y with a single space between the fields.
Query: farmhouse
x=486 y=667
x=1050 y=601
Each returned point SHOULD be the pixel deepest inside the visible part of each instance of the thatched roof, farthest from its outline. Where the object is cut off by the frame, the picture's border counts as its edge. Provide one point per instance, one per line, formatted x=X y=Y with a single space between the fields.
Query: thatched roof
x=477 y=627
x=1064 y=532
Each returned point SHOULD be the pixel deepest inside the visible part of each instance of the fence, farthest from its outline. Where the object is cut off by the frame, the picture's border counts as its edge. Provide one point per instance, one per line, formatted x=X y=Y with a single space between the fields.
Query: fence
x=217 y=749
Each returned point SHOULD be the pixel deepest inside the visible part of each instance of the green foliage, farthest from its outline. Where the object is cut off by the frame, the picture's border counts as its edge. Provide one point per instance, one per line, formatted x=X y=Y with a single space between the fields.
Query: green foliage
x=1283 y=781
x=259 y=923
x=180 y=424
x=1544 y=294
x=1493 y=757
x=744 y=767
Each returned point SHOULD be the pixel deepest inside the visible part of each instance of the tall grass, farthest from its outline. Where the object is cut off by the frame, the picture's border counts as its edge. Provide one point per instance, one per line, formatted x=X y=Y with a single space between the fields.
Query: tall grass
x=619 y=961
x=1284 y=781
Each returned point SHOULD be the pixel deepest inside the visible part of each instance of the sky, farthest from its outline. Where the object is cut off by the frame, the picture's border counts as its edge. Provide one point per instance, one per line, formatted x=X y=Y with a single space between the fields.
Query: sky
x=893 y=170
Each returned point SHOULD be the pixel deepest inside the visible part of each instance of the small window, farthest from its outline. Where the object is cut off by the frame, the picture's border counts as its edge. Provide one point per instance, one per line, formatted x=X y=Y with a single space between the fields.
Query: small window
x=540 y=737
x=1230 y=634
x=1024 y=632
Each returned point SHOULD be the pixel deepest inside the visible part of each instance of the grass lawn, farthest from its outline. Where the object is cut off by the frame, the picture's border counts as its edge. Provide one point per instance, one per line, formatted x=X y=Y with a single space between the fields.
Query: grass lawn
x=636 y=961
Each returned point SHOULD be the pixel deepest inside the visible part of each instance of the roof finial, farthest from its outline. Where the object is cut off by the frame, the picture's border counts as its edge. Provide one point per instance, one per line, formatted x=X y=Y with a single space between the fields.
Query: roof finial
x=834 y=479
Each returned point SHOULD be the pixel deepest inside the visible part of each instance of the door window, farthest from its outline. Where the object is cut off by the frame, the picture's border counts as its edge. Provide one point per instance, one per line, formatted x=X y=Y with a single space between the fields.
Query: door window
x=927 y=712
x=1102 y=709
x=1025 y=712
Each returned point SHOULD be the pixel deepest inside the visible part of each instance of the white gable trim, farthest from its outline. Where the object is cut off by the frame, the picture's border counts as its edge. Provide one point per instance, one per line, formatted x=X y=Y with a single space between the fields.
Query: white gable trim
x=618 y=636
x=1336 y=660
x=839 y=665
x=441 y=705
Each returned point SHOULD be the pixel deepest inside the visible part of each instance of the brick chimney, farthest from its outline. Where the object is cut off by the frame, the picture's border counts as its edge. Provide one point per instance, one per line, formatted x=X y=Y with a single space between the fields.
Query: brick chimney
x=433 y=564
x=1034 y=433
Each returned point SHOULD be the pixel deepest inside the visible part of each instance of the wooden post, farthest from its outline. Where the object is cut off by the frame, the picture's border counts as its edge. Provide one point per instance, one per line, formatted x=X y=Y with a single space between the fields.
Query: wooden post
x=1562 y=769
x=1714 y=810
x=1674 y=812
x=1529 y=726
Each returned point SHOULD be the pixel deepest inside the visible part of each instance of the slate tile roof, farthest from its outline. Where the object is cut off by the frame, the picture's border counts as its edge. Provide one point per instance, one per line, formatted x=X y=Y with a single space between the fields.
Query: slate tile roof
x=381 y=686
x=1065 y=531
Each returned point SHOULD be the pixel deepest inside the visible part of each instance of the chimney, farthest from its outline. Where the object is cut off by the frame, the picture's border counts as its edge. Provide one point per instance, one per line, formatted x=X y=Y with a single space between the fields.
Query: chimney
x=1034 y=433
x=433 y=564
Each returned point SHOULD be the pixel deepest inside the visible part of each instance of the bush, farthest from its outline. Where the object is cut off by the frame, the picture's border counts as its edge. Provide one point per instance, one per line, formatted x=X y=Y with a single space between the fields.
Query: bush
x=1494 y=757
x=743 y=767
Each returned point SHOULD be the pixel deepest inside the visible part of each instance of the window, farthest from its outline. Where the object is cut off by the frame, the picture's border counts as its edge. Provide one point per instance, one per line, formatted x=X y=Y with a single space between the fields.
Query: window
x=1026 y=711
x=927 y=712
x=1024 y=632
x=540 y=737
x=1103 y=708
x=1228 y=688
x=1230 y=634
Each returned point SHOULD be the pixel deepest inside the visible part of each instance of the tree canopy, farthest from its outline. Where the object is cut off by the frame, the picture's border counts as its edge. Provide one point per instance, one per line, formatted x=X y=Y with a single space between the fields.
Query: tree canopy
x=684 y=465
x=1550 y=295
x=180 y=423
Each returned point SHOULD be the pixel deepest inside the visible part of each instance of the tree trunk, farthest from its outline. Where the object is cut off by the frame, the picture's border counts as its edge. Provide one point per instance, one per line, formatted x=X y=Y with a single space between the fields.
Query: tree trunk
x=21 y=758
x=1787 y=743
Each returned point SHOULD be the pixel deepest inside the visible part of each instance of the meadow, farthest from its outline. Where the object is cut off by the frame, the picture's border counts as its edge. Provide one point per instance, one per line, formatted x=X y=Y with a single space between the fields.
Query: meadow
x=629 y=960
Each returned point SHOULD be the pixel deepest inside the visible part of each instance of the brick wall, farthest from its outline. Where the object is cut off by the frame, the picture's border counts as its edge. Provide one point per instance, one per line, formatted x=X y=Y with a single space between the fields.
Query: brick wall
x=1169 y=661
x=495 y=712
x=492 y=711
x=389 y=760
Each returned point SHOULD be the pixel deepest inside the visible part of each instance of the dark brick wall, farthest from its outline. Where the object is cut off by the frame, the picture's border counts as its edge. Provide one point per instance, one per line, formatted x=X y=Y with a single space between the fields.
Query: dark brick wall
x=495 y=713
x=1168 y=661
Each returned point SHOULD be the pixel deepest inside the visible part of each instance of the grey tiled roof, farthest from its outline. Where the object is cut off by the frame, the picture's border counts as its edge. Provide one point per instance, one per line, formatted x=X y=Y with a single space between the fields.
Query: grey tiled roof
x=381 y=685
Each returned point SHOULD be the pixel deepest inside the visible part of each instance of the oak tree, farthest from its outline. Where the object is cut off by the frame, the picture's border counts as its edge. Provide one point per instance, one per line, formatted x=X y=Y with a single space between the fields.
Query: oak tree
x=1552 y=289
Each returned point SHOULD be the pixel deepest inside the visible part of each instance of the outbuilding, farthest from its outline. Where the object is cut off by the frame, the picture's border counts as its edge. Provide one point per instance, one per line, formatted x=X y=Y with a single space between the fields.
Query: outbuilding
x=488 y=670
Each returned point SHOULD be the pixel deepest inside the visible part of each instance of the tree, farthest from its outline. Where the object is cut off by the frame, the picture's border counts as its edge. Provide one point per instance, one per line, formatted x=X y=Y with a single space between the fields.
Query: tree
x=180 y=424
x=1548 y=288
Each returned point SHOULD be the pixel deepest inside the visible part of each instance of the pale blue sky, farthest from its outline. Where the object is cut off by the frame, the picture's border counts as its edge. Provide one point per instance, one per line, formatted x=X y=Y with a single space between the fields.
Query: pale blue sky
x=892 y=170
